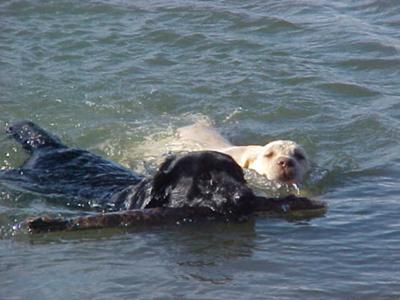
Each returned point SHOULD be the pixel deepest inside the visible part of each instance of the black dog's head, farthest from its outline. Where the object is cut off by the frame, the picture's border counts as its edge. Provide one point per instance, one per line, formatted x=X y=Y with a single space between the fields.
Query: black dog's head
x=202 y=179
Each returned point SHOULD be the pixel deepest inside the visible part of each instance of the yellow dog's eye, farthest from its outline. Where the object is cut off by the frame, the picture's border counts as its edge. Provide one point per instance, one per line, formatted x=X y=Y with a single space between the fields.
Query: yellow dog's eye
x=269 y=154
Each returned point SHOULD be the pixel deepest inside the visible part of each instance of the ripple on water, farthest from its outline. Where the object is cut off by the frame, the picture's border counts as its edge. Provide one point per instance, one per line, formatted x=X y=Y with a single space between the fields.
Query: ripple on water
x=301 y=80
x=265 y=24
x=160 y=59
x=348 y=89
x=162 y=36
x=189 y=40
x=370 y=64
x=375 y=46
x=57 y=8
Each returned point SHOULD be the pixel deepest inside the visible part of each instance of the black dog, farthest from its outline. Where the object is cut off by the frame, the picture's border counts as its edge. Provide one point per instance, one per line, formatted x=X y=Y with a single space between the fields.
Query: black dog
x=209 y=181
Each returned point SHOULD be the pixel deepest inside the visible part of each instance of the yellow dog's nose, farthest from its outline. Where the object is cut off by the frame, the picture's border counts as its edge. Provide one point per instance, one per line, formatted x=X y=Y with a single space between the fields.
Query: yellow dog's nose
x=286 y=162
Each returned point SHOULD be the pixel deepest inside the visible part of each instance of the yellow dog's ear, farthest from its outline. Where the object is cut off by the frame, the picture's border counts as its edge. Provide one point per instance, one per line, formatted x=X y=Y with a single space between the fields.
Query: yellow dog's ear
x=248 y=158
x=245 y=156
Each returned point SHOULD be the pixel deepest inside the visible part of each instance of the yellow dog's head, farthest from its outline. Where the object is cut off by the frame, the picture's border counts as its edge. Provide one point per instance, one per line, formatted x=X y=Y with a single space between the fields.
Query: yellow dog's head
x=280 y=160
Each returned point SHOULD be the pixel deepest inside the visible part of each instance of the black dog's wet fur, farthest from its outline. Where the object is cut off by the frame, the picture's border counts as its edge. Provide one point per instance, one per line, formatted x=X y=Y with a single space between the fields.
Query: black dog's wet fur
x=198 y=179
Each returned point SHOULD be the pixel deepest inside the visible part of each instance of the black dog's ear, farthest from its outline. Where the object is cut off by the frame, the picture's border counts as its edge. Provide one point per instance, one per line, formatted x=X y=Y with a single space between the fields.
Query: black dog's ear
x=162 y=177
x=161 y=181
x=234 y=170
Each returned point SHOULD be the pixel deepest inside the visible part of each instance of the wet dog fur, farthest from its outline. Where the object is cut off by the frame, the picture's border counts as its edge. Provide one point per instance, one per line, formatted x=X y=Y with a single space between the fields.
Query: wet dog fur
x=198 y=179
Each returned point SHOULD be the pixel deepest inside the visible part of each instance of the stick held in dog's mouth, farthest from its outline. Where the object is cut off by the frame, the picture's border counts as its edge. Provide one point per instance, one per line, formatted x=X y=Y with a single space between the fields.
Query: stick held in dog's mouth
x=289 y=207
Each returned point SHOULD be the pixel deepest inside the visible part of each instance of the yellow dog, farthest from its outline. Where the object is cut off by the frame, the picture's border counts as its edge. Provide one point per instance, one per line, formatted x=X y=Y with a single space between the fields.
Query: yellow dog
x=281 y=160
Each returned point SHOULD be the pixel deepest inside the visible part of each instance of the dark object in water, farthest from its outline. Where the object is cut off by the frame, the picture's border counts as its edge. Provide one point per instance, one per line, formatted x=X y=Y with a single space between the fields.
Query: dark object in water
x=290 y=206
x=201 y=185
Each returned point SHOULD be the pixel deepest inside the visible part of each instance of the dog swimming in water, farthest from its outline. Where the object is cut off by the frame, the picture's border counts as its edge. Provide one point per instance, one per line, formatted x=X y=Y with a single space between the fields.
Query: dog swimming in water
x=283 y=161
x=203 y=183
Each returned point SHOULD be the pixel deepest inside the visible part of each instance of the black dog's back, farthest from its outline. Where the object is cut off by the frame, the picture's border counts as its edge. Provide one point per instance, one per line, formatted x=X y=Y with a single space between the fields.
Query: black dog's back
x=55 y=169
x=198 y=179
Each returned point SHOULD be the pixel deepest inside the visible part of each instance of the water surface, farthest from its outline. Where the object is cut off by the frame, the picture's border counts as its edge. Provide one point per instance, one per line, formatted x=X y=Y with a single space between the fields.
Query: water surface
x=118 y=78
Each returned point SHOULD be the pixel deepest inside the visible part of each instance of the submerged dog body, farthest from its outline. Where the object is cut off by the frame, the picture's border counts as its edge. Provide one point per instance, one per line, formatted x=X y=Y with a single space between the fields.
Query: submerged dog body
x=281 y=160
x=198 y=179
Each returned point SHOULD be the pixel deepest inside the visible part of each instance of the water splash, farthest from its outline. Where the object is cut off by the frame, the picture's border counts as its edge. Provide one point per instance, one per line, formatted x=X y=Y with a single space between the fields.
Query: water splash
x=270 y=188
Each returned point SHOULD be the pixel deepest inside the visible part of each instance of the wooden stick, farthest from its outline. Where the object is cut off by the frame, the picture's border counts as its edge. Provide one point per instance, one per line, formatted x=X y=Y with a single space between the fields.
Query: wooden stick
x=164 y=215
x=126 y=218
x=287 y=204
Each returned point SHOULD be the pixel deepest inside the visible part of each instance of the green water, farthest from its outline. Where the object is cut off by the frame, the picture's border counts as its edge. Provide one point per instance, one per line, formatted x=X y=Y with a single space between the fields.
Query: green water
x=119 y=77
